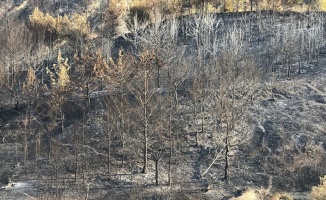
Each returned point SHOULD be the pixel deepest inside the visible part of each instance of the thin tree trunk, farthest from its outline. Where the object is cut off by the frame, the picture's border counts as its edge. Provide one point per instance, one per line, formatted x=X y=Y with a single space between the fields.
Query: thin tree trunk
x=145 y=150
x=109 y=152
x=176 y=94
x=156 y=171
x=195 y=107
x=25 y=147
x=170 y=130
x=170 y=159
x=226 y=157
x=62 y=120
x=288 y=76
x=226 y=167
x=158 y=78
x=123 y=150
x=88 y=94
x=122 y=138
x=146 y=125
x=37 y=145
x=28 y=131
x=16 y=147
x=84 y=152
x=61 y=112
x=76 y=163
x=202 y=116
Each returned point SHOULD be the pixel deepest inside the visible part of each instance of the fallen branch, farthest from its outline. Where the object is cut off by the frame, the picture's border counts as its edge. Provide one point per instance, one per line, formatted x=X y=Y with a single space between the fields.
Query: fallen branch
x=214 y=160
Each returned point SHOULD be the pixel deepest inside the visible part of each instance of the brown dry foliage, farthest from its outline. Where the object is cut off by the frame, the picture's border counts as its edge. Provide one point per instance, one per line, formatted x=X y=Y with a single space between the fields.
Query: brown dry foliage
x=42 y=21
x=262 y=195
x=77 y=25
x=248 y=195
x=281 y=196
x=121 y=70
x=30 y=81
x=319 y=192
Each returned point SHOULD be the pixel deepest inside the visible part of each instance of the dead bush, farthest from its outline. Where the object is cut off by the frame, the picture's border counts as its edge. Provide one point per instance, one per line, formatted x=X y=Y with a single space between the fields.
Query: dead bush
x=281 y=196
x=319 y=192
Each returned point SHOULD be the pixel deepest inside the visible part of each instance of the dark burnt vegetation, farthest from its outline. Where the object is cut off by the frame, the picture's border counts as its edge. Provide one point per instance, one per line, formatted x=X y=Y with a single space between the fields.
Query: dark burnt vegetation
x=189 y=104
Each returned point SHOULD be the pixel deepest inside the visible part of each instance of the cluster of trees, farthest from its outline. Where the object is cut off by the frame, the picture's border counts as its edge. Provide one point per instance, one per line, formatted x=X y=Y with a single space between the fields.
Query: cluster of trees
x=122 y=112
x=74 y=29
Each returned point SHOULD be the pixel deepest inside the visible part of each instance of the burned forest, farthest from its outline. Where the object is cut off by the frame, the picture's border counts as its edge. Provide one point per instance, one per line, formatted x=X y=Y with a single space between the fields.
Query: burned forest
x=171 y=99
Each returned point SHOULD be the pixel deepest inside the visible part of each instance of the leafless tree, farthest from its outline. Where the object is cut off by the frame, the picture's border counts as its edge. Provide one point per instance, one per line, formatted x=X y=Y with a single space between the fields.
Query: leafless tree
x=204 y=30
x=235 y=81
x=144 y=106
x=160 y=137
x=15 y=50
x=289 y=50
x=161 y=38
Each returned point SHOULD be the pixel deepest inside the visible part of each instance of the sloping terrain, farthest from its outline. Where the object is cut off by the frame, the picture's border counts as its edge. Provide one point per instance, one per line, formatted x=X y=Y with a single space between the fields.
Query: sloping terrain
x=87 y=141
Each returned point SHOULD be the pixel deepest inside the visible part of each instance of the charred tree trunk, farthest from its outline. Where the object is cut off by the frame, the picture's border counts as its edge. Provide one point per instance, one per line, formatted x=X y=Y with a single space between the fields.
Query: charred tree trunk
x=76 y=164
x=88 y=94
x=195 y=122
x=170 y=130
x=170 y=159
x=202 y=116
x=145 y=150
x=84 y=152
x=156 y=172
x=158 y=77
x=226 y=153
x=146 y=124
x=288 y=71
x=109 y=151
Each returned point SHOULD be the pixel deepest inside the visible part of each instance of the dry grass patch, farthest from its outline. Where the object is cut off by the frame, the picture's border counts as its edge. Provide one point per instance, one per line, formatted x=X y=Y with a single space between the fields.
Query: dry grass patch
x=281 y=196
x=319 y=192
x=262 y=194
